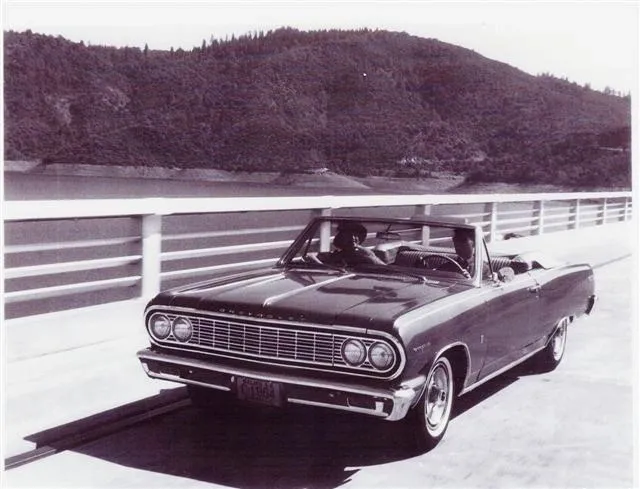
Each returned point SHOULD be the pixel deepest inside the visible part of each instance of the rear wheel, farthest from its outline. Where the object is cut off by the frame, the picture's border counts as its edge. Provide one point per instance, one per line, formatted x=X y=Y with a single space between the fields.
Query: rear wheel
x=549 y=358
x=429 y=419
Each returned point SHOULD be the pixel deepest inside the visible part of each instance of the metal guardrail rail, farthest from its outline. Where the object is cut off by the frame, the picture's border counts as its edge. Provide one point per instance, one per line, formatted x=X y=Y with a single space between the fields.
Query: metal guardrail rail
x=42 y=262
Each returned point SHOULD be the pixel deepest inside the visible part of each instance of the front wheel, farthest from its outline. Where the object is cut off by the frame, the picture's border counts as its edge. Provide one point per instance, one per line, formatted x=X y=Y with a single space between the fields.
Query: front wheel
x=549 y=358
x=429 y=419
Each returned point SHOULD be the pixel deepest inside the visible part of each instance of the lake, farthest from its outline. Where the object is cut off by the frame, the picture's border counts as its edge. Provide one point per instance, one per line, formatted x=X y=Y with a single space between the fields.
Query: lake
x=22 y=186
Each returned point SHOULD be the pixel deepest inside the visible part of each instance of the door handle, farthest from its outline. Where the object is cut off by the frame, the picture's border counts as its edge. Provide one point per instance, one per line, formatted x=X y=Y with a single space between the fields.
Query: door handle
x=534 y=289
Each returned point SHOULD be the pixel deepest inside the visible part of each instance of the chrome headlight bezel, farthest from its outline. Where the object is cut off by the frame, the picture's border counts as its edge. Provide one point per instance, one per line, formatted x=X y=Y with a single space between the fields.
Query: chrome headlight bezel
x=182 y=329
x=354 y=346
x=374 y=355
x=161 y=334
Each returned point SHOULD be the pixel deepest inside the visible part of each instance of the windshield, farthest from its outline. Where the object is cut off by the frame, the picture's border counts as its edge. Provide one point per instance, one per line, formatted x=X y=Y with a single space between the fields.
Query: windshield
x=411 y=248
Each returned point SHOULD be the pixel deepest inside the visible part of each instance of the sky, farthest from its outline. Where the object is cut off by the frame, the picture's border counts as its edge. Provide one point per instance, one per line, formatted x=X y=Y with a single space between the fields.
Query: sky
x=586 y=42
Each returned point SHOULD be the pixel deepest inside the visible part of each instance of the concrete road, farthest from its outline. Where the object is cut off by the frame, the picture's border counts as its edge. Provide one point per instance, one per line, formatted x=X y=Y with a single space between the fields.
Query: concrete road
x=569 y=428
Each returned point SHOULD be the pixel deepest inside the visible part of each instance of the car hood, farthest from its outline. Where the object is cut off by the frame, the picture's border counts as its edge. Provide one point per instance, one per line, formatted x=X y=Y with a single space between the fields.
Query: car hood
x=323 y=297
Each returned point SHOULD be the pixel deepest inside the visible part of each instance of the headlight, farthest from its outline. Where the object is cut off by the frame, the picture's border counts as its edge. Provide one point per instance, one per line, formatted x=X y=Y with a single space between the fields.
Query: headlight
x=354 y=352
x=160 y=326
x=381 y=356
x=182 y=329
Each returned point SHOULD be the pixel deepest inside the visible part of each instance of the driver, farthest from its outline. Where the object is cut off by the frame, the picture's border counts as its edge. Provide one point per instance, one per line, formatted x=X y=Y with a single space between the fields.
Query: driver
x=348 y=247
x=465 y=244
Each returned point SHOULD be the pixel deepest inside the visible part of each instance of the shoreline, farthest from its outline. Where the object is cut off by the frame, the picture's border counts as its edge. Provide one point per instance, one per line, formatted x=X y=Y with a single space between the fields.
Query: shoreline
x=442 y=183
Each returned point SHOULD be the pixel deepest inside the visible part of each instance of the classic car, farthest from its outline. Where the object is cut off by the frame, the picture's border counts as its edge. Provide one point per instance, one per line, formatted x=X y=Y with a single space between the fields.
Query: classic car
x=392 y=317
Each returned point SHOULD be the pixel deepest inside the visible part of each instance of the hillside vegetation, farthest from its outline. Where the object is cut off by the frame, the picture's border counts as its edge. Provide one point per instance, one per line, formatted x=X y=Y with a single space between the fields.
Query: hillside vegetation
x=359 y=103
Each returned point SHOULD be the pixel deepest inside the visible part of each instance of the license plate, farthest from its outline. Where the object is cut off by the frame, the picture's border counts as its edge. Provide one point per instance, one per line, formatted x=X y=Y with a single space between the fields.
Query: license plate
x=262 y=391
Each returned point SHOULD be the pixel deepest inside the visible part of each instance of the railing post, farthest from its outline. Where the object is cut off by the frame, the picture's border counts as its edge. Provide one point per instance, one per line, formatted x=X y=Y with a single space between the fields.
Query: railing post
x=625 y=215
x=576 y=215
x=604 y=211
x=540 y=209
x=493 y=222
x=325 y=229
x=424 y=210
x=151 y=254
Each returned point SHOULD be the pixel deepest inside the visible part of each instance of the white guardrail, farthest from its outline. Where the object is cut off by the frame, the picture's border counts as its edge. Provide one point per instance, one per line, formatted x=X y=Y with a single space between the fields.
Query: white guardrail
x=42 y=262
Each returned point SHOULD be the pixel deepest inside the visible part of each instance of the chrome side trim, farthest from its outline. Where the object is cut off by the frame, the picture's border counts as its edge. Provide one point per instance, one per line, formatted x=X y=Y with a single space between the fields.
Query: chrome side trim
x=501 y=371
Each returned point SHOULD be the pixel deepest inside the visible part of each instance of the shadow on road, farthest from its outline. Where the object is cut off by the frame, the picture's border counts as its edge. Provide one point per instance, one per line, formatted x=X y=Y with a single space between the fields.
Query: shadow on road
x=253 y=447
x=494 y=386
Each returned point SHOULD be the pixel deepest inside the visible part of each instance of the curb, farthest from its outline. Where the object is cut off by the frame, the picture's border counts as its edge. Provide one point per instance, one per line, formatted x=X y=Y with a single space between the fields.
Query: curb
x=69 y=435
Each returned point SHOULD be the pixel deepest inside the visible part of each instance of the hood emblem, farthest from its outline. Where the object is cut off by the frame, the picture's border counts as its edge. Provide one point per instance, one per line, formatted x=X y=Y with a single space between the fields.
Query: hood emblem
x=261 y=315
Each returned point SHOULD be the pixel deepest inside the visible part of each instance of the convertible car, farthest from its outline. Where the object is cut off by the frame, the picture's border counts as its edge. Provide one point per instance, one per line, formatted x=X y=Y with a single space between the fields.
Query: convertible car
x=393 y=318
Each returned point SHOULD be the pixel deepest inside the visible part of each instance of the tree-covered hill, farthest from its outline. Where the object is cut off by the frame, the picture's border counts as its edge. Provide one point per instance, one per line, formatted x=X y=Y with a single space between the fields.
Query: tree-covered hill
x=357 y=102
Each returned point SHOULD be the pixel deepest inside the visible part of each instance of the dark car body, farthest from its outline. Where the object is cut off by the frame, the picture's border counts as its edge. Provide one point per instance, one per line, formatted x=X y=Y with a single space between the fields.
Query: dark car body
x=366 y=338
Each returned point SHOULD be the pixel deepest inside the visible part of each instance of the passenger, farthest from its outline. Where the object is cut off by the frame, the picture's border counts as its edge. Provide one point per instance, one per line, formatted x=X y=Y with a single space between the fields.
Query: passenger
x=348 y=247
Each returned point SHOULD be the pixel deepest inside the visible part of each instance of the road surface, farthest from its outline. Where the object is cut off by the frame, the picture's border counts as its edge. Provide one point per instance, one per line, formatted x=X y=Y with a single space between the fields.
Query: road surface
x=569 y=428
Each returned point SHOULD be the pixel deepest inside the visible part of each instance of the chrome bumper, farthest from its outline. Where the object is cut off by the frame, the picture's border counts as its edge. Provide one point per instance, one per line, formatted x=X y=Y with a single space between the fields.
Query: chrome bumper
x=389 y=403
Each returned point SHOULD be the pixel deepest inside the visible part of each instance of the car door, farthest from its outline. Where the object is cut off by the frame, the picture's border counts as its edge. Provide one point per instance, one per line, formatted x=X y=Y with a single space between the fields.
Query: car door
x=512 y=308
x=561 y=292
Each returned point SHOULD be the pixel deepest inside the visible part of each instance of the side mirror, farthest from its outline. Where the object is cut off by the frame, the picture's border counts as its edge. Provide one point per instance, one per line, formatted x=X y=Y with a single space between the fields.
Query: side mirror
x=506 y=274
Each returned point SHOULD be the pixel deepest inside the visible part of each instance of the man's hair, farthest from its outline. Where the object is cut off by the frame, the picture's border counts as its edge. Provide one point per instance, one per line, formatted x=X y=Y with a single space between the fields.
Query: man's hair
x=463 y=233
x=353 y=228
x=343 y=239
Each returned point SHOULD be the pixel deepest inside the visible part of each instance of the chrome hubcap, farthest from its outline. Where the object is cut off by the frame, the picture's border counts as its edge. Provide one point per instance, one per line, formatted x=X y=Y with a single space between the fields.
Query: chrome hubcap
x=559 y=340
x=437 y=398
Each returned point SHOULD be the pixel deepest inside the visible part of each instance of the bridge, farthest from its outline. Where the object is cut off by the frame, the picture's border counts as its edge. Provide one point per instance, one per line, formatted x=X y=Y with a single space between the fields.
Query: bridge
x=68 y=254
x=73 y=371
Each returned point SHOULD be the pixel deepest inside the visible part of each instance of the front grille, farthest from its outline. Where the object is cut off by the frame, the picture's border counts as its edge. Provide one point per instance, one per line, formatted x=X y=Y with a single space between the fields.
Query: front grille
x=265 y=341
x=271 y=343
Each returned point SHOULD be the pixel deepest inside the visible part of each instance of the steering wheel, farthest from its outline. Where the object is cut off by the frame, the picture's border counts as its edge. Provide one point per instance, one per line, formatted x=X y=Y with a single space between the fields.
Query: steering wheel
x=424 y=262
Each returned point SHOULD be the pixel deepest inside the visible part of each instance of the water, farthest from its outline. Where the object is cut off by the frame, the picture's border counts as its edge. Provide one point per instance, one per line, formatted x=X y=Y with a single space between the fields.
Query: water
x=20 y=186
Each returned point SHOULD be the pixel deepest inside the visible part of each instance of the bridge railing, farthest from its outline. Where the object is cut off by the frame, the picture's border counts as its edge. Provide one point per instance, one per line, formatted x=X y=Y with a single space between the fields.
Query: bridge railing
x=67 y=254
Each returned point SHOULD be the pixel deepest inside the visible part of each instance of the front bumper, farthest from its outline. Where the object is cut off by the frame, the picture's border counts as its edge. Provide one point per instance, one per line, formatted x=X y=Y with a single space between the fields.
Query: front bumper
x=389 y=403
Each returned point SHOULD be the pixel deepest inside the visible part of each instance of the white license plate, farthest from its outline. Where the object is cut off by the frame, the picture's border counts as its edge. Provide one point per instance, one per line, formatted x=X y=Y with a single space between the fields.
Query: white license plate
x=262 y=391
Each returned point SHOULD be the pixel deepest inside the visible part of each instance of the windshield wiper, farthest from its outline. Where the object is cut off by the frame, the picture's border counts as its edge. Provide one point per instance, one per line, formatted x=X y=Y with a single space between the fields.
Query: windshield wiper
x=320 y=265
x=386 y=270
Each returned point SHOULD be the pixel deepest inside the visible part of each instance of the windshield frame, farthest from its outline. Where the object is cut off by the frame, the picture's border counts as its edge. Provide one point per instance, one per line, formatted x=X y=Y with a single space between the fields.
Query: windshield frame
x=314 y=230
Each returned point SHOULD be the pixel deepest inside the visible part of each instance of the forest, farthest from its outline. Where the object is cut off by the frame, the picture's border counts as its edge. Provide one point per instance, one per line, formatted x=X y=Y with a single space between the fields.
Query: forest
x=356 y=102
